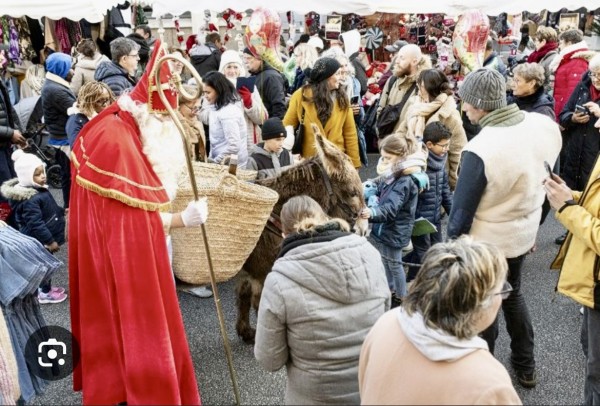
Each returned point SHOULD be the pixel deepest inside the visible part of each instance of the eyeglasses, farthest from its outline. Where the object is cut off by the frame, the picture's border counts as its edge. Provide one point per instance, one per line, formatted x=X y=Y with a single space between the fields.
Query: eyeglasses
x=137 y=56
x=443 y=146
x=506 y=290
x=595 y=76
x=192 y=109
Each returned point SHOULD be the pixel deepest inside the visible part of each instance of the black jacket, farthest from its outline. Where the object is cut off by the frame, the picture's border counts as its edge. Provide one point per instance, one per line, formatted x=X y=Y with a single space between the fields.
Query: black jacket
x=115 y=77
x=8 y=123
x=394 y=217
x=438 y=195
x=272 y=90
x=36 y=212
x=360 y=73
x=56 y=99
x=207 y=60
x=582 y=140
x=538 y=102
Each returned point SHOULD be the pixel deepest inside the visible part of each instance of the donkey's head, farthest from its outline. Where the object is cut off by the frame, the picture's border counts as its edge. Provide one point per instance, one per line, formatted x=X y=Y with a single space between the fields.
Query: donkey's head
x=347 y=200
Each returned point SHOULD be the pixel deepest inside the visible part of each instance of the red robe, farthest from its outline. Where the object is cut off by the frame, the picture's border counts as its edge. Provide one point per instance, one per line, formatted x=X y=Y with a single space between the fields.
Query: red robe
x=124 y=308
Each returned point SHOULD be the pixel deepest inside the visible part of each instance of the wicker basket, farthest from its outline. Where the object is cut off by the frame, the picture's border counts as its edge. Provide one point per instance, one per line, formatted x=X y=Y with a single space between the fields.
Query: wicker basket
x=237 y=214
x=202 y=169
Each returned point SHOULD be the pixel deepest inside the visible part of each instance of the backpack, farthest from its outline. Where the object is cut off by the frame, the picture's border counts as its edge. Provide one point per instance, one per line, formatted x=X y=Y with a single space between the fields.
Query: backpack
x=390 y=115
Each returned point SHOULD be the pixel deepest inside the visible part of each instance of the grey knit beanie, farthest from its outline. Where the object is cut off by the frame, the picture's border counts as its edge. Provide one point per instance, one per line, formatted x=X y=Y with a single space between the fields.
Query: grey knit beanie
x=484 y=89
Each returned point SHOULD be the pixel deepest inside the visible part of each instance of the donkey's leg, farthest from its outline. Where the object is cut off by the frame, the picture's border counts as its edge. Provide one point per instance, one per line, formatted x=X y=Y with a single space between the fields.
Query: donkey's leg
x=244 y=303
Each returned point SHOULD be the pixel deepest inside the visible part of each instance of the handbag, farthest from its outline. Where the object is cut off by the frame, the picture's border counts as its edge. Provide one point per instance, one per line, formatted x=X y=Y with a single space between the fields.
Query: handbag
x=390 y=115
x=299 y=136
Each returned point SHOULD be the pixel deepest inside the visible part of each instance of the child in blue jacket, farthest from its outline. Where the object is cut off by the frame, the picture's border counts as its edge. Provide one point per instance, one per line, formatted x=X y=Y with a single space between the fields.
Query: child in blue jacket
x=36 y=212
x=394 y=217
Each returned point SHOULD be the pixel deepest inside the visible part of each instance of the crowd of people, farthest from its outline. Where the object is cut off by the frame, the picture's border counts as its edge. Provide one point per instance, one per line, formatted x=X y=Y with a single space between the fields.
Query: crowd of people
x=350 y=321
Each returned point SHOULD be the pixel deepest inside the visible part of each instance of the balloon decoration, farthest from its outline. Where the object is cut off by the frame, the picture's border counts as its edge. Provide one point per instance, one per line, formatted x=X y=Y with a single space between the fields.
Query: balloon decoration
x=373 y=38
x=262 y=36
x=469 y=39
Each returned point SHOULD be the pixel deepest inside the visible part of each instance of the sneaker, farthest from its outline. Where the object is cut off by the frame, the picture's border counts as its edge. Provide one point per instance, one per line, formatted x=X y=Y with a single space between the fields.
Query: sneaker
x=560 y=239
x=57 y=289
x=527 y=380
x=51 y=297
x=200 y=291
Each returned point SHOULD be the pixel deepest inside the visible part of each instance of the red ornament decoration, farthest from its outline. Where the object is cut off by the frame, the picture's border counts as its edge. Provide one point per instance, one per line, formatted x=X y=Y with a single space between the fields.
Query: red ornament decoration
x=178 y=31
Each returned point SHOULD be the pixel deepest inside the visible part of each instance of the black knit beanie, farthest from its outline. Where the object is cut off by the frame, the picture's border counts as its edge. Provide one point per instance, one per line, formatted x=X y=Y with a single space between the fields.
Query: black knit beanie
x=323 y=69
x=273 y=128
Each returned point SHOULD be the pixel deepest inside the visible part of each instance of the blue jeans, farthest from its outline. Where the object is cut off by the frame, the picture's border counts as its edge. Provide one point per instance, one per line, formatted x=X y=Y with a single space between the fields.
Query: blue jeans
x=518 y=322
x=392 y=262
x=590 y=331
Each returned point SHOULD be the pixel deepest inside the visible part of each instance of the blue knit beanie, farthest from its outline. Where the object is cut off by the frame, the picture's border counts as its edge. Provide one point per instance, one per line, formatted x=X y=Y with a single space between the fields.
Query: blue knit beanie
x=59 y=64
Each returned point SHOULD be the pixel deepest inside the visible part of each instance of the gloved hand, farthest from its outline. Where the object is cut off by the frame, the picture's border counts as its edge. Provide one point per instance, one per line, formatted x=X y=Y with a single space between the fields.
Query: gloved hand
x=422 y=180
x=195 y=213
x=246 y=96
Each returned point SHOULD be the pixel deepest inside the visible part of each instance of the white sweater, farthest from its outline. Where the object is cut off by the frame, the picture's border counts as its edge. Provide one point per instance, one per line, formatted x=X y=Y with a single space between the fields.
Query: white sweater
x=510 y=209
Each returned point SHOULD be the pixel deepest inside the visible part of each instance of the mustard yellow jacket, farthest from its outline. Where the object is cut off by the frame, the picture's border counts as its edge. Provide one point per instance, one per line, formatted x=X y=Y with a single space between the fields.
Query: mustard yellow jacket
x=577 y=258
x=340 y=129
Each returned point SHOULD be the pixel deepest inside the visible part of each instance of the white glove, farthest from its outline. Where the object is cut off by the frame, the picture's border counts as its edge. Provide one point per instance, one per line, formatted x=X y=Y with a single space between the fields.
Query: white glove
x=195 y=213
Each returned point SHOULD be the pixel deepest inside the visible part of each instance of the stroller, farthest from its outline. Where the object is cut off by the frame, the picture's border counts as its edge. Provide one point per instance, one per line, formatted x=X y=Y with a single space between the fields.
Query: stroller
x=30 y=113
x=47 y=155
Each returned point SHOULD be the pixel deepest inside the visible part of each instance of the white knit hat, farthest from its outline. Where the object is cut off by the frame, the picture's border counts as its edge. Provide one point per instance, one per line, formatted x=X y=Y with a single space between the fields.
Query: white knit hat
x=316 y=42
x=231 y=56
x=25 y=166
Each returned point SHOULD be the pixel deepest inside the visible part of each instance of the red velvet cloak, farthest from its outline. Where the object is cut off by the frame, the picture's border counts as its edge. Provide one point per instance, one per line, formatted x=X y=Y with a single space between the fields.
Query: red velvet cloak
x=124 y=308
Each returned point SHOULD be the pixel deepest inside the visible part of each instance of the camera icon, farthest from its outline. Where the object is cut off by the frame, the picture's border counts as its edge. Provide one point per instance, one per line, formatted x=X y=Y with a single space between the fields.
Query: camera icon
x=52 y=349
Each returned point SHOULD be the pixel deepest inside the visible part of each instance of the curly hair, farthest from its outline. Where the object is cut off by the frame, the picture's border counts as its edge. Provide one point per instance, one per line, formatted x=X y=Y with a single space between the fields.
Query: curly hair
x=90 y=95
x=531 y=71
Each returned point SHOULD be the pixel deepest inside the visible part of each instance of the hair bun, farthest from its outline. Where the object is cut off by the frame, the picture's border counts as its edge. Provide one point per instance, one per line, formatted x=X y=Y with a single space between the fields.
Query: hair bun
x=19 y=153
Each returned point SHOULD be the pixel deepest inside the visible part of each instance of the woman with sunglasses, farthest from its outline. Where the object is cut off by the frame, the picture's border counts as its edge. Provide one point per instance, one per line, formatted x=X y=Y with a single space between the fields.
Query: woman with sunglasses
x=428 y=351
x=93 y=97
x=223 y=112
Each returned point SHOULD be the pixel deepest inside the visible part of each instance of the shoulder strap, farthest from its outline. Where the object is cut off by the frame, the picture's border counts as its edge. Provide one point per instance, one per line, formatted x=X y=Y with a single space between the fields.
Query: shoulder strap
x=392 y=80
x=408 y=93
x=302 y=115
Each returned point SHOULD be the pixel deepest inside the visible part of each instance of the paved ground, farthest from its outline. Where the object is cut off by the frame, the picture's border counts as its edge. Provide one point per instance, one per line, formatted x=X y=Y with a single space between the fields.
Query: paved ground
x=556 y=321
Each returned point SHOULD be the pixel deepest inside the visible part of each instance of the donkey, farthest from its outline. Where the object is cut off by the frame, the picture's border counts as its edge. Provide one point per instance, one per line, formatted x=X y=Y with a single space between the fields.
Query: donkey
x=330 y=179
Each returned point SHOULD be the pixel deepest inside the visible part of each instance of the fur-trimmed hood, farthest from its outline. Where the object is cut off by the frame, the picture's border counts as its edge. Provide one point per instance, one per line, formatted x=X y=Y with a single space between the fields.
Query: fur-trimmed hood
x=574 y=51
x=13 y=191
x=85 y=62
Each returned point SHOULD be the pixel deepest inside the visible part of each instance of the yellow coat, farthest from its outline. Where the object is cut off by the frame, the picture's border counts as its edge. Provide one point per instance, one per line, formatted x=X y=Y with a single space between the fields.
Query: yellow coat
x=578 y=256
x=340 y=129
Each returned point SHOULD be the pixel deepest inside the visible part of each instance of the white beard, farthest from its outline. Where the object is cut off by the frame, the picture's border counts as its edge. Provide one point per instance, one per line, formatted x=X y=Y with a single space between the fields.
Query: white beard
x=161 y=143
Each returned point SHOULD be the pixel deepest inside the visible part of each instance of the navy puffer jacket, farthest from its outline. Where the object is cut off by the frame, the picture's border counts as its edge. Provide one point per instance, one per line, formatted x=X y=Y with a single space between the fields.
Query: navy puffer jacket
x=115 y=77
x=439 y=194
x=36 y=212
x=394 y=218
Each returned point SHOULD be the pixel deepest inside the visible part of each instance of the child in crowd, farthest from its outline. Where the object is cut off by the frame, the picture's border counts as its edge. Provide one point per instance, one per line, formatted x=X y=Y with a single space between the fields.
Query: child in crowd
x=36 y=212
x=269 y=158
x=395 y=216
x=436 y=137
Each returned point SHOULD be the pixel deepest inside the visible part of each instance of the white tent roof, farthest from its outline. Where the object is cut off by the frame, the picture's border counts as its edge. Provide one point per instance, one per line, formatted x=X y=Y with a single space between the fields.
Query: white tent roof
x=91 y=10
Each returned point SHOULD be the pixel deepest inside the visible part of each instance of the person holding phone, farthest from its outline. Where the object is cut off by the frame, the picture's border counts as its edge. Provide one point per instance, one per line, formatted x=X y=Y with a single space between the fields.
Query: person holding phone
x=581 y=143
x=255 y=112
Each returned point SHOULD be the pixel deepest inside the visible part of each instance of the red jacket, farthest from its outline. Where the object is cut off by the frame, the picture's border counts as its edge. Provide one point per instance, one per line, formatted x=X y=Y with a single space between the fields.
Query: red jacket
x=567 y=76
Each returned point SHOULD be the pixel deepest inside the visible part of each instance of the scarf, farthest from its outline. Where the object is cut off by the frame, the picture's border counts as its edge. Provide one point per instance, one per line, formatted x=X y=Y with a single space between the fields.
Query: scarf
x=538 y=55
x=329 y=231
x=420 y=112
x=527 y=101
x=504 y=117
x=436 y=344
x=594 y=93
x=413 y=163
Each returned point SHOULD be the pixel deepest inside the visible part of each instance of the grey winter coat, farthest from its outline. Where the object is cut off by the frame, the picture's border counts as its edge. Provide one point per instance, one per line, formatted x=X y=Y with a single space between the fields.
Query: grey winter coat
x=317 y=306
x=85 y=70
x=117 y=78
x=268 y=164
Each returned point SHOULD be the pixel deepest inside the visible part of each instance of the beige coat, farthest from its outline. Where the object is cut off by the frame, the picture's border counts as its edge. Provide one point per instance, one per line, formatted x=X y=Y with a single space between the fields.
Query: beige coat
x=399 y=88
x=448 y=115
x=392 y=370
x=85 y=70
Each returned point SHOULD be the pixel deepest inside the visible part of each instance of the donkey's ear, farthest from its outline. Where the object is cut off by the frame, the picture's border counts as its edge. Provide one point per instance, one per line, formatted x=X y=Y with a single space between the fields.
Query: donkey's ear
x=332 y=158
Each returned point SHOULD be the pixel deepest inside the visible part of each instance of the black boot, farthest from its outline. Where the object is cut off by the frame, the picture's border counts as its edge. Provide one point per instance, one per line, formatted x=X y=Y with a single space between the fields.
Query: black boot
x=396 y=301
x=561 y=238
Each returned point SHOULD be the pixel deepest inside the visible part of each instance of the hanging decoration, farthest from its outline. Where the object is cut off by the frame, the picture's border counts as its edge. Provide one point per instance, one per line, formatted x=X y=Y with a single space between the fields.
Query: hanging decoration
x=262 y=36
x=373 y=38
x=178 y=31
x=470 y=37
x=233 y=20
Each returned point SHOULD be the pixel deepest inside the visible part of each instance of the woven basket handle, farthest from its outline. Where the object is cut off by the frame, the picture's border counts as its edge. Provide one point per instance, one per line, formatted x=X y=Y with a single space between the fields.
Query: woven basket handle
x=228 y=186
x=233 y=164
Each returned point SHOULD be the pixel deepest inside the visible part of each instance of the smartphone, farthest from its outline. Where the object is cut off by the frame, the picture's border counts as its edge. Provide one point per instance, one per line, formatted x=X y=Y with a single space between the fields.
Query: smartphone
x=354 y=100
x=549 y=169
x=582 y=110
